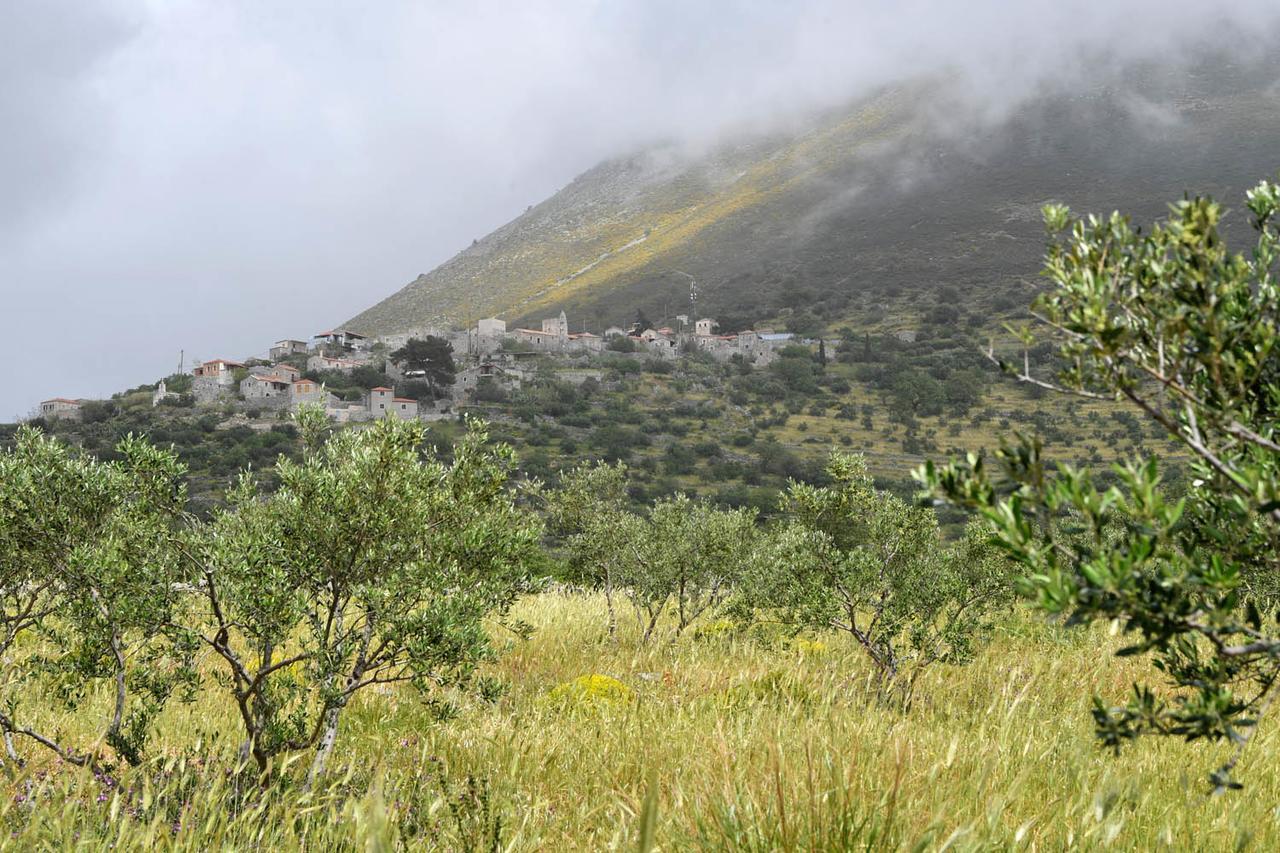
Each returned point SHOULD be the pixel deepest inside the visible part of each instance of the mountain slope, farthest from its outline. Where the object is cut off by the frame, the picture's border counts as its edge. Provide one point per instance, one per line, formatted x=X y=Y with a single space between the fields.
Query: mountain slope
x=860 y=211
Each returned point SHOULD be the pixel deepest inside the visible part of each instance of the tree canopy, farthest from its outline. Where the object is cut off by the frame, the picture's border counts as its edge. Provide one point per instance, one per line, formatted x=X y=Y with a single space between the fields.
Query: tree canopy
x=389 y=563
x=428 y=359
x=1184 y=330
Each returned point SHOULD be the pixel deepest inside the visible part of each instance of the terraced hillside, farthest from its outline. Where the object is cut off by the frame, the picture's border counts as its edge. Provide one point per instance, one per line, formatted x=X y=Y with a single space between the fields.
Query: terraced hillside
x=861 y=210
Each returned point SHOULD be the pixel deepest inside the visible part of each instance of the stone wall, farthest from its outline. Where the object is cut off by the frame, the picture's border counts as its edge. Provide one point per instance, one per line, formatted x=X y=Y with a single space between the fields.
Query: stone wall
x=208 y=390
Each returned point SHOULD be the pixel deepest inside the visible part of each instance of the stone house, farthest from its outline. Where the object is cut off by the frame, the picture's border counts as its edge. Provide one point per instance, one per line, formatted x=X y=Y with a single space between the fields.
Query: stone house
x=213 y=380
x=661 y=342
x=218 y=369
x=380 y=401
x=491 y=327
x=309 y=391
x=486 y=338
x=509 y=374
x=586 y=341
x=721 y=347
x=556 y=325
x=543 y=341
x=405 y=408
x=286 y=348
x=343 y=338
x=752 y=348
x=706 y=327
x=267 y=389
x=553 y=337
x=318 y=363
x=60 y=407
x=394 y=341
x=556 y=337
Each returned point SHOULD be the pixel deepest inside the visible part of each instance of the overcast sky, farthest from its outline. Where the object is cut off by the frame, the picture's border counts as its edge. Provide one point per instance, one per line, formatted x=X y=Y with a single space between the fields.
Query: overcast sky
x=211 y=176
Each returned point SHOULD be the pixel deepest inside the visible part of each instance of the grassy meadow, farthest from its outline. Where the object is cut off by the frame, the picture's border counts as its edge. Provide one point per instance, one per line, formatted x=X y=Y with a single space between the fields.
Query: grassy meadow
x=720 y=740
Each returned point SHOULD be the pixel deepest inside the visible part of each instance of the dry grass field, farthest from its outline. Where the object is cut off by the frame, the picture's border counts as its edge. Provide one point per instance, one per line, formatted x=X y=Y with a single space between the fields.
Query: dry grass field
x=723 y=740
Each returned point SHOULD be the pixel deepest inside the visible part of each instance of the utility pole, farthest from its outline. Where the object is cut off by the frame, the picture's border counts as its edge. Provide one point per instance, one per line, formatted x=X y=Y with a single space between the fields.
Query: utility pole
x=693 y=292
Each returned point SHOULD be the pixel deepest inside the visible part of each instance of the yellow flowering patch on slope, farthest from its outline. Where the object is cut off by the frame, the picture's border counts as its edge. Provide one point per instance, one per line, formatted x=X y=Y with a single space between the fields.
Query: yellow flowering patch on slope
x=592 y=692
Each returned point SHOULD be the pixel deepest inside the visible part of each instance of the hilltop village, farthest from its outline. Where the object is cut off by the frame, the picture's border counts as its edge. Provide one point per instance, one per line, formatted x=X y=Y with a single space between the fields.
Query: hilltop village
x=297 y=372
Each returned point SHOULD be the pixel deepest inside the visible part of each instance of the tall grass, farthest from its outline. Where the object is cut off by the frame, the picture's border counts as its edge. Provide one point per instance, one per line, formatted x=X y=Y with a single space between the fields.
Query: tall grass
x=725 y=741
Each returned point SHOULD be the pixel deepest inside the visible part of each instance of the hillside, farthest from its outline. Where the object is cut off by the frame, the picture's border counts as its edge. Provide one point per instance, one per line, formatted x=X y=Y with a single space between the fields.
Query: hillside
x=856 y=214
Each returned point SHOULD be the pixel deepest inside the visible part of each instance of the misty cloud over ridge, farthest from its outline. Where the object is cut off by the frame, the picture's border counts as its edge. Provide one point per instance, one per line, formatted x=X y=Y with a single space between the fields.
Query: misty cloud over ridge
x=208 y=177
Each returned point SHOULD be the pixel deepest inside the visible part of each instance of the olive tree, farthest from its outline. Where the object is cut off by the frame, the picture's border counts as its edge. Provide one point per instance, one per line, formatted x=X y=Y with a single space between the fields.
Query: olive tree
x=683 y=559
x=851 y=558
x=1184 y=330
x=585 y=513
x=369 y=565
x=88 y=572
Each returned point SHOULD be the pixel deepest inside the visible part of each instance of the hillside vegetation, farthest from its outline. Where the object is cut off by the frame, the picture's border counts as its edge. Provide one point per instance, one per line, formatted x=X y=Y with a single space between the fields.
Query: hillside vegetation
x=726 y=432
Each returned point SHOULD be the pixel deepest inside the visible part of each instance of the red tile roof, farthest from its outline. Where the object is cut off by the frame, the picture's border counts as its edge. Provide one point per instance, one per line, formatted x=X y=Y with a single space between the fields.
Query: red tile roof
x=403 y=400
x=60 y=400
x=380 y=388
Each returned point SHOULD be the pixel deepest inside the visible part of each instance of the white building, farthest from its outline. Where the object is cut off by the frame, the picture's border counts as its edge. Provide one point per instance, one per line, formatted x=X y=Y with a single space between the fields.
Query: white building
x=161 y=394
